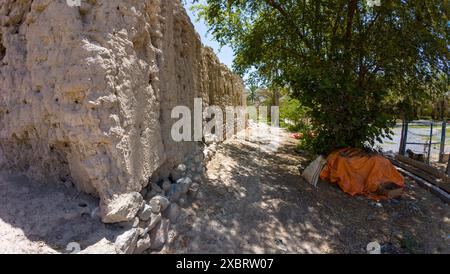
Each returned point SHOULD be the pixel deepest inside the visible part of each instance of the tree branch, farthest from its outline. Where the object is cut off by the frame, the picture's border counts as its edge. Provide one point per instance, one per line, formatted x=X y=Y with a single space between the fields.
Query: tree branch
x=286 y=15
x=352 y=5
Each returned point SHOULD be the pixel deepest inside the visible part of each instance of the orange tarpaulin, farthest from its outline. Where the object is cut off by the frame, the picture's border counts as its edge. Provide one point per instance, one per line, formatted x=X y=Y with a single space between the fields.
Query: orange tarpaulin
x=359 y=173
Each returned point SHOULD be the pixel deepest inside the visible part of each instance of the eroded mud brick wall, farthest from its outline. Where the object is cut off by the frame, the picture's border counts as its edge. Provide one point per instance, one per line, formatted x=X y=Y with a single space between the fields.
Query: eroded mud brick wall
x=86 y=92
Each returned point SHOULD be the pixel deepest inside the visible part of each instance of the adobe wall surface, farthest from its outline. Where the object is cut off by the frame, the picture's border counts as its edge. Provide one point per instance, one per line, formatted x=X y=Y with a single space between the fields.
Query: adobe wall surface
x=86 y=93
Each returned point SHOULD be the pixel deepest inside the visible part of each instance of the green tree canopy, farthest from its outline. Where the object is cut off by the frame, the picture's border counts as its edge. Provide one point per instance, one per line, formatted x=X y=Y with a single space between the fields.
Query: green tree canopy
x=355 y=67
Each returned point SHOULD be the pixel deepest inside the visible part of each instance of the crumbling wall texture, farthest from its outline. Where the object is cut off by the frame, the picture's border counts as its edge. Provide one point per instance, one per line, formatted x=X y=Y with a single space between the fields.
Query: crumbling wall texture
x=86 y=92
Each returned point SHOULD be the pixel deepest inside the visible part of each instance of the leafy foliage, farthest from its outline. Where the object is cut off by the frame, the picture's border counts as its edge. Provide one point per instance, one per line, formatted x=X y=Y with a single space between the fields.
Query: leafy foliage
x=293 y=115
x=252 y=95
x=356 y=68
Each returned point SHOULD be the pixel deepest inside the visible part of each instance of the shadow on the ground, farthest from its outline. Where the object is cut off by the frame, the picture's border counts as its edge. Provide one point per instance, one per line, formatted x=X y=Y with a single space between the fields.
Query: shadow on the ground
x=252 y=201
x=53 y=214
x=256 y=202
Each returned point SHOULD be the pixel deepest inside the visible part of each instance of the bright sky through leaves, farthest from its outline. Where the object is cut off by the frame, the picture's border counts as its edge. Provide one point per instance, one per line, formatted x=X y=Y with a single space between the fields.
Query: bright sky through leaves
x=225 y=53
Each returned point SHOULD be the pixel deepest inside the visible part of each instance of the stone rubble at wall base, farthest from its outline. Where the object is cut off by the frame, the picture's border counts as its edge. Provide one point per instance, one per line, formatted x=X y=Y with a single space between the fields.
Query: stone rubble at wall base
x=149 y=230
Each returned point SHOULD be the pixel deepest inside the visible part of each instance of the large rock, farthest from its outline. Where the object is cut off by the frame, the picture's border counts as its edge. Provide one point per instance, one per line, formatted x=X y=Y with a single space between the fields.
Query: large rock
x=143 y=244
x=154 y=220
x=159 y=234
x=122 y=207
x=145 y=213
x=103 y=246
x=127 y=241
x=159 y=202
x=86 y=93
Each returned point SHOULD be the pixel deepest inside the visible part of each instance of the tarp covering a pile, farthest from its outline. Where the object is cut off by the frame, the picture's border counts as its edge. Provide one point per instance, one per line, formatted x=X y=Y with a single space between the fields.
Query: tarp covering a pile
x=357 y=172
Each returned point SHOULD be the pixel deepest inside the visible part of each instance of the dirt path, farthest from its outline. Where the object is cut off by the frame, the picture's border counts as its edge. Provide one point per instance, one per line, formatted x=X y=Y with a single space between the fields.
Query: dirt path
x=254 y=201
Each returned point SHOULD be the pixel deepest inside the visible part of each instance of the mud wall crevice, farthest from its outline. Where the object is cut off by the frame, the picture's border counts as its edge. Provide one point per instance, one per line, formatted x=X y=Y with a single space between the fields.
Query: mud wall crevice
x=2 y=50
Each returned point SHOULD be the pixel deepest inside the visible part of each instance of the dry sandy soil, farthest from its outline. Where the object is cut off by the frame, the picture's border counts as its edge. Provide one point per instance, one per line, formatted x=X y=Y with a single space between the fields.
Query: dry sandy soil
x=40 y=218
x=252 y=200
